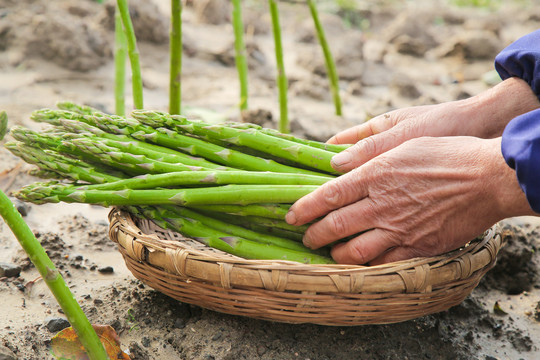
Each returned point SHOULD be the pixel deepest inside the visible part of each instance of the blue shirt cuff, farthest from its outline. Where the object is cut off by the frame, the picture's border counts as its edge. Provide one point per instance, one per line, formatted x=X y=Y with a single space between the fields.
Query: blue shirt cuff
x=522 y=59
x=521 y=151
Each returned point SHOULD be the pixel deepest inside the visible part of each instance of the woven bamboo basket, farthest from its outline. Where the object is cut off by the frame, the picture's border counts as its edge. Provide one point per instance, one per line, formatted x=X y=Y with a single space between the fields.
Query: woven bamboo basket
x=290 y=292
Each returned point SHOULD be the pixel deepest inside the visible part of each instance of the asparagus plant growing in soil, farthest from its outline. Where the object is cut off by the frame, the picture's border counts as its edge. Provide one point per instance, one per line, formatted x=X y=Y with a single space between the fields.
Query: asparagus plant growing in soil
x=133 y=53
x=53 y=279
x=329 y=60
x=3 y=124
x=119 y=63
x=240 y=52
x=175 y=49
x=282 y=82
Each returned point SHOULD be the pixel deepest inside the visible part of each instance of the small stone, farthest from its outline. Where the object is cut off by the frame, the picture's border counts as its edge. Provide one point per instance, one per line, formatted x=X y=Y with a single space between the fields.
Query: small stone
x=179 y=323
x=261 y=350
x=98 y=302
x=55 y=325
x=145 y=342
x=9 y=270
x=22 y=207
x=106 y=270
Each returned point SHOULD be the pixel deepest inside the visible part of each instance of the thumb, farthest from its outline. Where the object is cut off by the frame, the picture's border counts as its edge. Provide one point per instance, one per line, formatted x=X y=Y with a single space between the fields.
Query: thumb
x=367 y=149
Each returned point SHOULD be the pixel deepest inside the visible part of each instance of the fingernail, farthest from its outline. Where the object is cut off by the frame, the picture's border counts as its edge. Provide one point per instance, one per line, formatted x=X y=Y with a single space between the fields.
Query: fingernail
x=290 y=218
x=341 y=159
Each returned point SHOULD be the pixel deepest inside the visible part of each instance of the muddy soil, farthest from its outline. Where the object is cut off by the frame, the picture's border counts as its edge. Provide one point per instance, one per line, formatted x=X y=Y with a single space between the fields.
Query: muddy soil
x=390 y=54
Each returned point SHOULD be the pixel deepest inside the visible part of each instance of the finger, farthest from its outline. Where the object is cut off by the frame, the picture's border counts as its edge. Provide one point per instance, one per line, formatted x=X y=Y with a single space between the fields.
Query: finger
x=396 y=254
x=371 y=127
x=367 y=149
x=340 y=223
x=364 y=248
x=341 y=191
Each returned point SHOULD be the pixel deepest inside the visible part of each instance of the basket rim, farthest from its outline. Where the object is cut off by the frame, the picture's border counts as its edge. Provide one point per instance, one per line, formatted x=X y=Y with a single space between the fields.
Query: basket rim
x=210 y=265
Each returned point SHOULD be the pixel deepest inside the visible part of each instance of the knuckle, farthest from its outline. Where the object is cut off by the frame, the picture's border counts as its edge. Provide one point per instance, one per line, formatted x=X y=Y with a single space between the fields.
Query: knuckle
x=357 y=253
x=366 y=146
x=337 y=224
x=332 y=194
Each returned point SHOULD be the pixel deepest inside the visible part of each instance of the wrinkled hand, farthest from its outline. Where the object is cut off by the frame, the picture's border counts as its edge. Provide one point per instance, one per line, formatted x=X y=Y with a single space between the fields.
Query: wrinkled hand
x=484 y=115
x=421 y=198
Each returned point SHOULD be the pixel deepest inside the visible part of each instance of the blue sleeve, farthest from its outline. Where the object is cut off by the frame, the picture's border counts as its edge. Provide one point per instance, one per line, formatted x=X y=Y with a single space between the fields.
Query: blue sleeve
x=521 y=137
x=522 y=59
x=521 y=150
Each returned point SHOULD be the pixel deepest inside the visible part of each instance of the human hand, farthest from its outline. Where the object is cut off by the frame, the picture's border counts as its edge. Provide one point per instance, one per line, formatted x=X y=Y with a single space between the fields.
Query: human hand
x=483 y=116
x=425 y=197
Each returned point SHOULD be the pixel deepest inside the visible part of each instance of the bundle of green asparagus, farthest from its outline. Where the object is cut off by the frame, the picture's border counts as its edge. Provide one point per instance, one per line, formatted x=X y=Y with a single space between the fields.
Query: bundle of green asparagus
x=228 y=186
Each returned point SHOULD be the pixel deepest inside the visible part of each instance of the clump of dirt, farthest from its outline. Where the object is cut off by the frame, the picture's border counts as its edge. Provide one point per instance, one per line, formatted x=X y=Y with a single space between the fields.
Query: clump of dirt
x=57 y=250
x=517 y=263
x=53 y=31
x=93 y=235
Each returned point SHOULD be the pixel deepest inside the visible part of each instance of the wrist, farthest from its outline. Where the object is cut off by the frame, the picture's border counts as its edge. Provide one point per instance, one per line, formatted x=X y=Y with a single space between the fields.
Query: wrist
x=491 y=110
x=506 y=192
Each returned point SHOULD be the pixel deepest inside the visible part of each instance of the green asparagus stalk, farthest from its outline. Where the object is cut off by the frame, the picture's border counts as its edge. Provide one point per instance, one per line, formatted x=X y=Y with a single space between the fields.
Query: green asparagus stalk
x=175 y=48
x=286 y=234
x=240 y=51
x=263 y=221
x=272 y=211
x=231 y=244
x=133 y=52
x=61 y=165
x=329 y=60
x=282 y=82
x=166 y=138
x=236 y=230
x=207 y=178
x=77 y=108
x=78 y=320
x=306 y=155
x=44 y=174
x=135 y=146
x=3 y=124
x=133 y=164
x=114 y=143
x=227 y=194
x=317 y=144
x=119 y=64
x=158 y=153
x=336 y=148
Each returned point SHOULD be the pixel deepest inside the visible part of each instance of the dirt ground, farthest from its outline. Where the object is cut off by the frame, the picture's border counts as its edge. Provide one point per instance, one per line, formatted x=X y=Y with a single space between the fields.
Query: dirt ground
x=389 y=54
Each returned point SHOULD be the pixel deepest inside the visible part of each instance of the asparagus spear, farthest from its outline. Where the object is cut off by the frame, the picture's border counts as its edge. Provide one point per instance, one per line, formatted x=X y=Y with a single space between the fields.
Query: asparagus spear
x=3 y=124
x=231 y=244
x=134 y=146
x=228 y=194
x=259 y=220
x=130 y=127
x=207 y=178
x=135 y=164
x=336 y=148
x=60 y=164
x=236 y=230
x=52 y=278
x=286 y=149
x=272 y=211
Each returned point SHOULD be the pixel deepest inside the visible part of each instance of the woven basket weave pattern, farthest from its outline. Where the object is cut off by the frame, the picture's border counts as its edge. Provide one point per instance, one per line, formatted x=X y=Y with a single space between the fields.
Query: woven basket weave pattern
x=291 y=292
